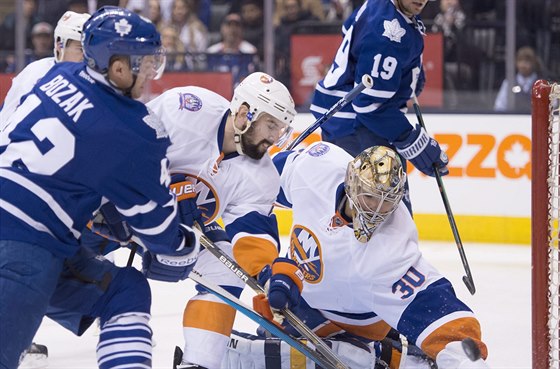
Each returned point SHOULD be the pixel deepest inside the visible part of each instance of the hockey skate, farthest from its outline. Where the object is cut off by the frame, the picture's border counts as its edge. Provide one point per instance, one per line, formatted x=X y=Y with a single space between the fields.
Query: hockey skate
x=178 y=362
x=35 y=357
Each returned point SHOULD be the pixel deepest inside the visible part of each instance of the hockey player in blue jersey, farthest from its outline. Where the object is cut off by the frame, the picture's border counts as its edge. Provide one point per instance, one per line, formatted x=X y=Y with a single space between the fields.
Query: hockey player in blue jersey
x=78 y=140
x=383 y=38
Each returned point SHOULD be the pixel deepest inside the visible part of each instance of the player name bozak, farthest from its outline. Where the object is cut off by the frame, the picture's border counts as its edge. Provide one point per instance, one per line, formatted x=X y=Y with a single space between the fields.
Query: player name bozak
x=67 y=96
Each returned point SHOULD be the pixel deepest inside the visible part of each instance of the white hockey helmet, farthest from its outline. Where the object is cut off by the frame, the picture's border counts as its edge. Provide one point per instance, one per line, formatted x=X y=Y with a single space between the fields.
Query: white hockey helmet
x=374 y=187
x=69 y=27
x=263 y=94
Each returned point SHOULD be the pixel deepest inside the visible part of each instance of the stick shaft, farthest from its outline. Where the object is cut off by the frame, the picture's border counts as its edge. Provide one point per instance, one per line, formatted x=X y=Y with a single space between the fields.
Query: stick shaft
x=367 y=82
x=303 y=329
x=259 y=319
x=467 y=279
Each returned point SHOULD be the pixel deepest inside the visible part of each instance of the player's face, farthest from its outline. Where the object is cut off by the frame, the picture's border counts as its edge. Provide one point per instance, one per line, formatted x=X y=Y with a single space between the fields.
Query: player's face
x=411 y=7
x=73 y=51
x=263 y=133
x=133 y=78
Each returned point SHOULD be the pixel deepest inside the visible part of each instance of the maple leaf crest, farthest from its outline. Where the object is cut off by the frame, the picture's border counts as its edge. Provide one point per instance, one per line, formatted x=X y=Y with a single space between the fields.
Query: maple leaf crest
x=517 y=157
x=393 y=30
x=123 y=27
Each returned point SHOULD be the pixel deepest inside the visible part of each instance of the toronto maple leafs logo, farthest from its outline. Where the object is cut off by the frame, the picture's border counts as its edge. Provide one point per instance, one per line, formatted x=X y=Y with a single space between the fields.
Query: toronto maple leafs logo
x=393 y=30
x=123 y=27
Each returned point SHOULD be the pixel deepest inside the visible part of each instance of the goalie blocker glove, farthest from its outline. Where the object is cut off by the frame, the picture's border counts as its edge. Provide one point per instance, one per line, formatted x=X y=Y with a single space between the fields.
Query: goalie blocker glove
x=423 y=152
x=175 y=267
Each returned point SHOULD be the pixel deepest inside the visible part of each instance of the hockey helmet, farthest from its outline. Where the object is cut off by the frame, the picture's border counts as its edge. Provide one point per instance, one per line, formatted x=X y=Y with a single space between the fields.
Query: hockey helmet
x=264 y=94
x=69 y=27
x=374 y=187
x=116 y=31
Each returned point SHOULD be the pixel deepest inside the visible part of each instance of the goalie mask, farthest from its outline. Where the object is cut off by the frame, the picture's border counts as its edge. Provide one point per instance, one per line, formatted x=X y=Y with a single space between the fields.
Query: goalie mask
x=263 y=94
x=374 y=187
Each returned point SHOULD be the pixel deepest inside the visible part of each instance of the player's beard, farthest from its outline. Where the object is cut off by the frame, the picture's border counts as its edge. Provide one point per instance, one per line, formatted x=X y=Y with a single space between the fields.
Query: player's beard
x=254 y=150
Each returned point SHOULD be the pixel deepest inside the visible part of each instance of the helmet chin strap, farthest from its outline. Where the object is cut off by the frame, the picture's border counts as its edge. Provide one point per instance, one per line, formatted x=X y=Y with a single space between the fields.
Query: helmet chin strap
x=125 y=91
x=237 y=133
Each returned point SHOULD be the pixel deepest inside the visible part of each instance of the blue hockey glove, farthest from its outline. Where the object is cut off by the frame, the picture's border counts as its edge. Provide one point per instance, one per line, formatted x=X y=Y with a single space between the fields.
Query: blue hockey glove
x=423 y=152
x=189 y=213
x=284 y=281
x=215 y=233
x=109 y=224
x=177 y=266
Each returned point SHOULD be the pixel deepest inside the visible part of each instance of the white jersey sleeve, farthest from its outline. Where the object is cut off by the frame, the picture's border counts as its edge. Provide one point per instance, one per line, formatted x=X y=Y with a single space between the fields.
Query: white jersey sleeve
x=22 y=84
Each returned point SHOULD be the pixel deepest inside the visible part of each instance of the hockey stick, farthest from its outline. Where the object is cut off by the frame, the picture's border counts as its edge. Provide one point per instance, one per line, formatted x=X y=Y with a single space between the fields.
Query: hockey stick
x=301 y=327
x=467 y=279
x=322 y=348
x=367 y=82
x=265 y=323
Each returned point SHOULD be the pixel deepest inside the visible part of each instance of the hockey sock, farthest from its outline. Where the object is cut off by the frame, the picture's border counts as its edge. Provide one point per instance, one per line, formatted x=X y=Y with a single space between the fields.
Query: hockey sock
x=125 y=340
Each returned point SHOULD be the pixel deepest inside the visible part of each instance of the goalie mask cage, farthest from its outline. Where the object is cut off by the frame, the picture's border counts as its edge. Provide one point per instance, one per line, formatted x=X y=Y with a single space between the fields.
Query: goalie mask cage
x=545 y=204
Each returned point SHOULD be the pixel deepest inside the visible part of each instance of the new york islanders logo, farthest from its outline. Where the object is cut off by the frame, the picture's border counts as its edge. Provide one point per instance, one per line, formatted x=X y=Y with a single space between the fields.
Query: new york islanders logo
x=305 y=250
x=208 y=201
x=189 y=102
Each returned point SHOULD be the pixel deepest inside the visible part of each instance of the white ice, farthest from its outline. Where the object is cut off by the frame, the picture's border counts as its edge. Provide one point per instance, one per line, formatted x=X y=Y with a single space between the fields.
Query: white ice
x=502 y=303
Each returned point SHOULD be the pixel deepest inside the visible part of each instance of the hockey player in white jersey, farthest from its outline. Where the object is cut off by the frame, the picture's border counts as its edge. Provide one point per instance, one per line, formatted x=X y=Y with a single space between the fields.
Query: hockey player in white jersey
x=67 y=48
x=383 y=38
x=221 y=148
x=357 y=246
x=76 y=141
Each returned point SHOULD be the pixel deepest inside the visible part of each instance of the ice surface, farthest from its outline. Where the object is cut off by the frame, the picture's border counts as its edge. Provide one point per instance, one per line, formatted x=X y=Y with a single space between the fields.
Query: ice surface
x=502 y=303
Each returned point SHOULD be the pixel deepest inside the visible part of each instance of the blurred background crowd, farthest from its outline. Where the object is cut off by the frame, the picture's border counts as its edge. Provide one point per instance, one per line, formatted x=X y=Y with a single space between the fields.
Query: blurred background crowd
x=482 y=41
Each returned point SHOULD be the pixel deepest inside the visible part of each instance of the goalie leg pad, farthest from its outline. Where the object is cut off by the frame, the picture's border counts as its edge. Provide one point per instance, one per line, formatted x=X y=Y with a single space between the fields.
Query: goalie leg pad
x=454 y=356
x=246 y=351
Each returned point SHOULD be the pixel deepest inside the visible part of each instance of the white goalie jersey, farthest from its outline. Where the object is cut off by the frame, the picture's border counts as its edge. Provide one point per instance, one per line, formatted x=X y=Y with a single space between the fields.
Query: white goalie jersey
x=358 y=285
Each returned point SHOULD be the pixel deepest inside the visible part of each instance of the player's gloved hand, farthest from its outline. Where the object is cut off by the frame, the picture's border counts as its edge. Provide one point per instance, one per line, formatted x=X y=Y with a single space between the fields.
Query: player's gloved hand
x=177 y=266
x=109 y=224
x=189 y=213
x=283 y=282
x=423 y=152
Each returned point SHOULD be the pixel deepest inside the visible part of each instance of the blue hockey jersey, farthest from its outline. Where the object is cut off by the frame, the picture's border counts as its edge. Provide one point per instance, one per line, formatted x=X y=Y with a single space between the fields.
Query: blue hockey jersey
x=72 y=144
x=381 y=41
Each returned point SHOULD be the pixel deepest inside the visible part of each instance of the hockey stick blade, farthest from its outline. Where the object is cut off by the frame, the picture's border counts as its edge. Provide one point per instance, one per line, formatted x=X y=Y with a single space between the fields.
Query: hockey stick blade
x=471 y=349
x=468 y=278
x=265 y=323
x=303 y=329
x=367 y=82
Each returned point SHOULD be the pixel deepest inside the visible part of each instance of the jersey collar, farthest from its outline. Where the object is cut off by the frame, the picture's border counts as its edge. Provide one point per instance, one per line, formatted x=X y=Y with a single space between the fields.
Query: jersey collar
x=221 y=133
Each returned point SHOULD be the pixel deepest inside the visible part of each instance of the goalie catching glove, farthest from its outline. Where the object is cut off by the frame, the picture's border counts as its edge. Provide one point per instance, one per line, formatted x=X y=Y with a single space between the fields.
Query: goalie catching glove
x=283 y=282
x=423 y=152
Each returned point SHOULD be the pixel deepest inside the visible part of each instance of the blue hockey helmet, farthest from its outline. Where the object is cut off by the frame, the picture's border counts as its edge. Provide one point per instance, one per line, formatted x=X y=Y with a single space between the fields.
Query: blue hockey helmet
x=116 y=31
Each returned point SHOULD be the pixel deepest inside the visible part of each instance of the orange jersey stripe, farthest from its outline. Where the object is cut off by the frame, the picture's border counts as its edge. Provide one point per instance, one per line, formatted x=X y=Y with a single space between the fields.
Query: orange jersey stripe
x=329 y=329
x=253 y=253
x=375 y=331
x=208 y=315
x=455 y=330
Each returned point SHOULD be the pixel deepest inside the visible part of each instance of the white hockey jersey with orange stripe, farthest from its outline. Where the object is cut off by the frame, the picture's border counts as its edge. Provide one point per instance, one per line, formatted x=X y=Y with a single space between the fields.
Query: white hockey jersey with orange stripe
x=236 y=188
x=358 y=285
